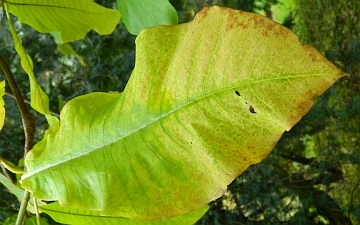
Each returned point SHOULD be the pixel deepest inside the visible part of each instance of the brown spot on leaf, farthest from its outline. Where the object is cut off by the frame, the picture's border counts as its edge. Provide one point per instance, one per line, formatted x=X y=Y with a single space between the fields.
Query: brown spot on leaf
x=246 y=20
x=252 y=110
x=235 y=19
x=202 y=14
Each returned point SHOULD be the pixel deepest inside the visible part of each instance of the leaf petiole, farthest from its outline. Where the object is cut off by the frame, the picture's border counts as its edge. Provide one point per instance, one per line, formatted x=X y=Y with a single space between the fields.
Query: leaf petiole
x=8 y=165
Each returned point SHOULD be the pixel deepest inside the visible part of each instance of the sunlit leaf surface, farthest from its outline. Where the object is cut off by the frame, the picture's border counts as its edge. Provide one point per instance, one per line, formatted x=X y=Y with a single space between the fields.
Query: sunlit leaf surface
x=141 y=14
x=72 y=20
x=205 y=101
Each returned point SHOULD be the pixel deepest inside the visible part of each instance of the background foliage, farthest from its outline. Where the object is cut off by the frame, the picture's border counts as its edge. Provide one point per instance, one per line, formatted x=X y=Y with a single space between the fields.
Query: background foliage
x=312 y=176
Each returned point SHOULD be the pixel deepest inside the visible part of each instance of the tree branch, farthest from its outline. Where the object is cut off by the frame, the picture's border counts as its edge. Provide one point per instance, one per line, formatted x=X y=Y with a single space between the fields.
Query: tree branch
x=28 y=123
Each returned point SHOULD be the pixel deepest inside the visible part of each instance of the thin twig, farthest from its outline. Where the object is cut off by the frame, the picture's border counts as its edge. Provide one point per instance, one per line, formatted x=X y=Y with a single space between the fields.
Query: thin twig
x=28 y=121
x=28 y=102
x=37 y=212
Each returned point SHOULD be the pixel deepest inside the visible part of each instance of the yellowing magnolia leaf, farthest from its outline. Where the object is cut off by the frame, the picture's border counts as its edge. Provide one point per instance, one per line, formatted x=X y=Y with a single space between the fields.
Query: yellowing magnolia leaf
x=72 y=19
x=2 y=103
x=205 y=101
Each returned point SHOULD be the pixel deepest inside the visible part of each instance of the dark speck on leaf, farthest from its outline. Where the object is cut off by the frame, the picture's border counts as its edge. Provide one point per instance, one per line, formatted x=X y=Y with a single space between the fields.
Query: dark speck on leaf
x=251 y=109
x=237 y=93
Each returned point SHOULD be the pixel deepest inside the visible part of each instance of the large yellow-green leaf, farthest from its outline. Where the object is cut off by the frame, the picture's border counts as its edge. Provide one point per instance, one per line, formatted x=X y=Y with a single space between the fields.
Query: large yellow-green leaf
x=71 y=19
x=140 y=14
x=39 y=99
x=205 y=101
x=2 y=103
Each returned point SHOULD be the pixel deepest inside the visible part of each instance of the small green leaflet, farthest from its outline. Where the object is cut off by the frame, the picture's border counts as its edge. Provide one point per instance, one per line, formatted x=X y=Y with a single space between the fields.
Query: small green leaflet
x=71 y=19
x=141 y=14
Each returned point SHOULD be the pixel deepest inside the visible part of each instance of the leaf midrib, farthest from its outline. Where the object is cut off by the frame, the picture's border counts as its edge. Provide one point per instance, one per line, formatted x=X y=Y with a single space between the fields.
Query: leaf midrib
x=25 y=176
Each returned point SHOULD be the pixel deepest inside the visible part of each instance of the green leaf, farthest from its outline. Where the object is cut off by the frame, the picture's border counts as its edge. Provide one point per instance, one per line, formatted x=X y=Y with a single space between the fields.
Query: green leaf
x=205 y=101
x=10 y=220
x=2 y=103
x=11 y=167
x=72 y=20
x=31 y=220
x=39 y=99
x=19 y=193
x=142 y=14
x=74 y=216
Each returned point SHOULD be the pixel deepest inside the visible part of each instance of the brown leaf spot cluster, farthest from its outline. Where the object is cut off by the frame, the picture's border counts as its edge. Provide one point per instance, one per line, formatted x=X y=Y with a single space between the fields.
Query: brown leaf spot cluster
x=202 y=14
x=245 y=20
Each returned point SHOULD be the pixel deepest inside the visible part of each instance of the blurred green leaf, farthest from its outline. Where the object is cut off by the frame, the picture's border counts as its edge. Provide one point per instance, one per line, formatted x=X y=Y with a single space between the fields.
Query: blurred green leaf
x=19 y=193
x=10 y=220
x=31 y=220
x=142 y=14
x=72 y=20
